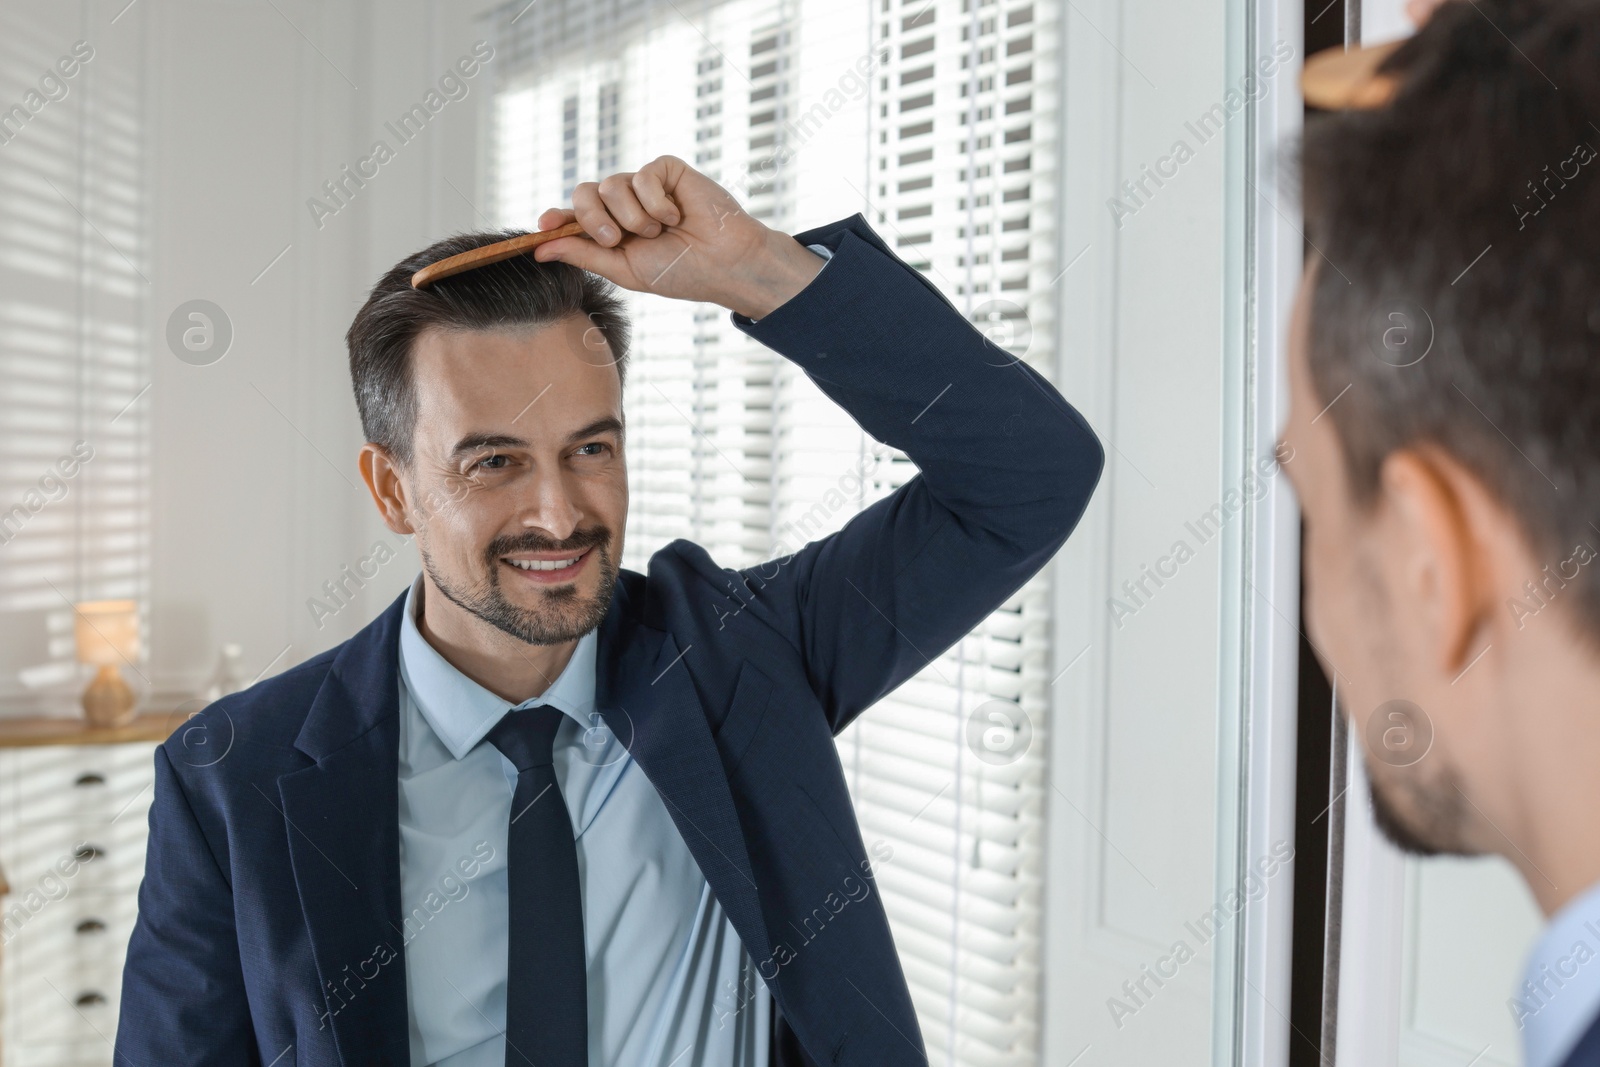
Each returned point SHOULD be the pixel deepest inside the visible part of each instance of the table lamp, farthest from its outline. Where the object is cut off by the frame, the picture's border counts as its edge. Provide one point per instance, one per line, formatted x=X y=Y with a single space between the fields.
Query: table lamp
x=107 y=633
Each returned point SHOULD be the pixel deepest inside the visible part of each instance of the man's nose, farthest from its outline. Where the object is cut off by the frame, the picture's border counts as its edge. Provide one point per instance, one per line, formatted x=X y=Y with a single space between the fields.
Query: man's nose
x=551 y=504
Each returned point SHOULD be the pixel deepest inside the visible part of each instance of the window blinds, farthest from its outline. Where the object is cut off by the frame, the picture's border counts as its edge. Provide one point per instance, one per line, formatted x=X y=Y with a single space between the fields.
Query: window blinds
x=736 y=449
x=699 y=392
x=74 y=366
x=962 y=146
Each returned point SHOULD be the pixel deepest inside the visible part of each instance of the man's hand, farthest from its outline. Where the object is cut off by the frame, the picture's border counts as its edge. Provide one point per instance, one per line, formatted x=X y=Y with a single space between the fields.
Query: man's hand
x=670 y=230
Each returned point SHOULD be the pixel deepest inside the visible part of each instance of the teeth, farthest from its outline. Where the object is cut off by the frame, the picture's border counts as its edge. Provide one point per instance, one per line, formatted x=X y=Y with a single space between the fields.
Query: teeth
x=542 y=564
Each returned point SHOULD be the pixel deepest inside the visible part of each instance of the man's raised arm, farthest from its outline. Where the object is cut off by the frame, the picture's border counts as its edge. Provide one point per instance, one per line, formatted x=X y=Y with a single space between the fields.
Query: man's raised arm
x=1007 y=466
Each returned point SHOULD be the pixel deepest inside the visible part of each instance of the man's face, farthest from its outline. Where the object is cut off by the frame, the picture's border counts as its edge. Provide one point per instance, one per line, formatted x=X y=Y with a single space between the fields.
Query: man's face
x=1366 y=633
x=517 y=464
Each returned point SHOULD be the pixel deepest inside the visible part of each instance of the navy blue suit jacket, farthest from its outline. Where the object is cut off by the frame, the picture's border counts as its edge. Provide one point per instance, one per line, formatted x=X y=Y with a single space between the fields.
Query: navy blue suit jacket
x=1586 y=1053
x=270 y=913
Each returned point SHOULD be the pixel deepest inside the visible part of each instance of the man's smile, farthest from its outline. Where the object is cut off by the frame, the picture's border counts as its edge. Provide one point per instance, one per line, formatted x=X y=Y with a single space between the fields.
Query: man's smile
x=547 y=568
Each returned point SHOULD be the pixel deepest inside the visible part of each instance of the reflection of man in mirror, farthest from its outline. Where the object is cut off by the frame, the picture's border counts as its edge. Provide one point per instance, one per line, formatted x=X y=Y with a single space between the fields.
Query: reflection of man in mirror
x=1452 y=497
x=546 y=810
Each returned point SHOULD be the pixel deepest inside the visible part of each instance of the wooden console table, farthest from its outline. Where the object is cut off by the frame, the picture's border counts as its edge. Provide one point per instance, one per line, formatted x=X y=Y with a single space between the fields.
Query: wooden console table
x=18 y=732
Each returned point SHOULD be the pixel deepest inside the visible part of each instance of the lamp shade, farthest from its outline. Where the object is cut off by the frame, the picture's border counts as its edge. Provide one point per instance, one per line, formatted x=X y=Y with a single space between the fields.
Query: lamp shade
x=107 y=631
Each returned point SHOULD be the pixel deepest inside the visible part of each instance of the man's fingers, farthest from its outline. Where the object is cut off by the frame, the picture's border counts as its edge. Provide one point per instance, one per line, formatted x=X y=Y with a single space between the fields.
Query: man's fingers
x=610 y=263
x=551 y=218
x=648 y=188
x=616 y=192
x=597 y=222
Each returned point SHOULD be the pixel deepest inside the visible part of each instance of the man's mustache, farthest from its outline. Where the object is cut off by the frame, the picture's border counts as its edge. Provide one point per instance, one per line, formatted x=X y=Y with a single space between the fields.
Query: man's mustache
x=531 y=542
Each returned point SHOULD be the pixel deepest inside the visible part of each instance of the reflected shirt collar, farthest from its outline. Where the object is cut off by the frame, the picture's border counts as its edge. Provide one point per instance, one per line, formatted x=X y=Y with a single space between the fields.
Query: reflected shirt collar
x=461 y=711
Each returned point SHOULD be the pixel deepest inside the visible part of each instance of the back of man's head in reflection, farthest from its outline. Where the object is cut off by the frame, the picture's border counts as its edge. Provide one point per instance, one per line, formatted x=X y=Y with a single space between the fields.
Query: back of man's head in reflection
x=1445 y=420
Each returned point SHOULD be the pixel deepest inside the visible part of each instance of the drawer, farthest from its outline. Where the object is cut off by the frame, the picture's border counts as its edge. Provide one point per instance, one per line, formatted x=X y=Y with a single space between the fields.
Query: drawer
x=85 y=807
x=65 y=1001
x=64 y=1006
x=66 y=858
x=88 y=784
x=89 y=931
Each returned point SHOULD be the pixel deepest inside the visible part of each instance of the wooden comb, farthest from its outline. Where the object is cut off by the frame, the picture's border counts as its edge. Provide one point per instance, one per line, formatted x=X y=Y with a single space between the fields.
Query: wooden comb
x=1336 y=79
x=482 y=257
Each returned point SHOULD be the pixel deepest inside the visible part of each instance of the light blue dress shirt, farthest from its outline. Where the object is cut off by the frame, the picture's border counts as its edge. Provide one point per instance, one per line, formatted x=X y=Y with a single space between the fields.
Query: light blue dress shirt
x=1560 y=994
x=670 y=984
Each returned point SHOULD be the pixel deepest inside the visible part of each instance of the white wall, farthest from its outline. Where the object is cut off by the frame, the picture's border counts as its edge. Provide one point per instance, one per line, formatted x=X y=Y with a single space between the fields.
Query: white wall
x=244 y=496
x=1383 y=20
x=257 y=500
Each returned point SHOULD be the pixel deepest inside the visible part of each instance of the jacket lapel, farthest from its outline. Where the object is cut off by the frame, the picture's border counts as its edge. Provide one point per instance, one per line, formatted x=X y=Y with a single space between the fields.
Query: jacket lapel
x=342 y=820
x=644 y=693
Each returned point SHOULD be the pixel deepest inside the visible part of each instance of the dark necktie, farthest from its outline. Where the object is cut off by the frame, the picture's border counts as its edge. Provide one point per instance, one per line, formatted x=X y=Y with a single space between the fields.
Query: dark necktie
x=546 y=980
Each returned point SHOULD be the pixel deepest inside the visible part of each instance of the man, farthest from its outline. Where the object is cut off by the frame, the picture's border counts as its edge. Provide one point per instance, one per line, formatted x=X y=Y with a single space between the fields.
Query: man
x=547 y=810
x=1445 y=421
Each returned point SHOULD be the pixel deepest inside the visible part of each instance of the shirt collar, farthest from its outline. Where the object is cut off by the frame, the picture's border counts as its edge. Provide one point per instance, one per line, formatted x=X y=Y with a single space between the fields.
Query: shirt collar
x=1560 y=994
x=461 y=711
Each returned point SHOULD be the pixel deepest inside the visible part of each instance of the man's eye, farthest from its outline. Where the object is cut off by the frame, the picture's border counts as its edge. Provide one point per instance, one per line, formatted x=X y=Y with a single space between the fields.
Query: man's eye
x=489 y=462
x=594 y=444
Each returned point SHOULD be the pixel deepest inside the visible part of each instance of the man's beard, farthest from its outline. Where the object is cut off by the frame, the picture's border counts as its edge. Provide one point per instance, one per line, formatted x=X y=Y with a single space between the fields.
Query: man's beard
x=1437 y=823
x=1433 y=820
x=563 y=613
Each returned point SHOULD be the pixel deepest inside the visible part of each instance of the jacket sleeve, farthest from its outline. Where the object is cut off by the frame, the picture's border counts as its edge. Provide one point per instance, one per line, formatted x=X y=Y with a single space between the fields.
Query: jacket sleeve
x=183 y=992
x=1006 y=468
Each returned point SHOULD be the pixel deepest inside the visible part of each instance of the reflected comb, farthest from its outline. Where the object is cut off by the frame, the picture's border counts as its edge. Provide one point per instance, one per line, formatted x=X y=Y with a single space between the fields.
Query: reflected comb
x=1336 y=79
x=500 y=250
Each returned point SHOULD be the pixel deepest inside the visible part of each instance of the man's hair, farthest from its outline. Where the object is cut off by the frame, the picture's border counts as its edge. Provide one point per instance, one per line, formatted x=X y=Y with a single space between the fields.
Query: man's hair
x=514 y=293
x=1465 y=215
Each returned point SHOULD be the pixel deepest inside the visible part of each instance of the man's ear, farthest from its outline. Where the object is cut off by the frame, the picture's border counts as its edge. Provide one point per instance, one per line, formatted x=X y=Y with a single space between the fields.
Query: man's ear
x=1449 y=535
x=382 y=475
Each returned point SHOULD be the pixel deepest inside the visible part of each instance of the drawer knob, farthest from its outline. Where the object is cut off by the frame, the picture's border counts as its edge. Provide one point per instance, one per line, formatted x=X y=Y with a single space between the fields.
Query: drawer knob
x=89 y=778
x=90 y=999
x=85 y=853
x=91 y=926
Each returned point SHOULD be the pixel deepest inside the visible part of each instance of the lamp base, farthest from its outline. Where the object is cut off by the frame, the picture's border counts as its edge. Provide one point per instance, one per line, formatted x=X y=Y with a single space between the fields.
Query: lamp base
x=108 y=701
